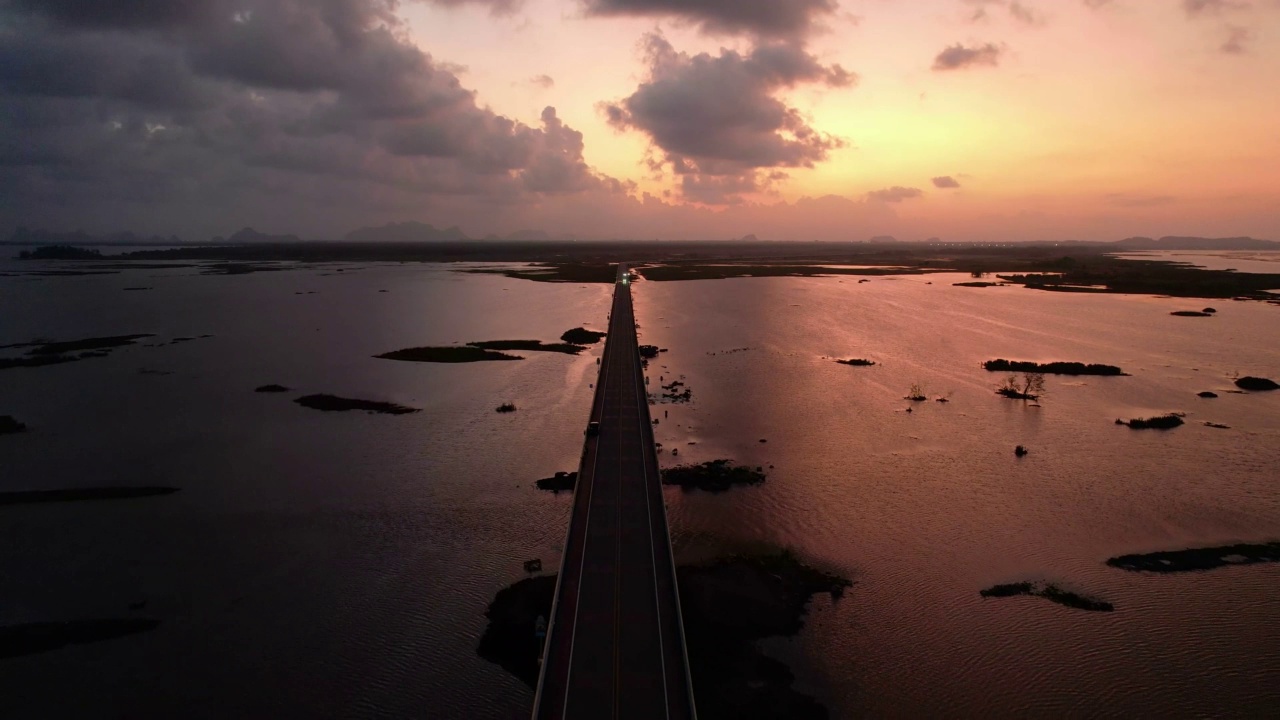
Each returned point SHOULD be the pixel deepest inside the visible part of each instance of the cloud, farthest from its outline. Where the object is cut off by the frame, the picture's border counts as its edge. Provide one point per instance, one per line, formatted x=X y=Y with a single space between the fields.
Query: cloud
x=546 y=82
x=945 y=181
x=895 y=194
x=775 y=19
x=1096 y=4
x=1019 y=11
x=497 y=7
x=177 y=111
x=1237 y=37
x=717 y=116
x=1196 y=8
x=958 y=57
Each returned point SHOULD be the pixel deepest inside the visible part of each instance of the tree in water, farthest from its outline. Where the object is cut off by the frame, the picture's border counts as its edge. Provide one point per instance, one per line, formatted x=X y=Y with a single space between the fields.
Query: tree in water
x=1027 y=387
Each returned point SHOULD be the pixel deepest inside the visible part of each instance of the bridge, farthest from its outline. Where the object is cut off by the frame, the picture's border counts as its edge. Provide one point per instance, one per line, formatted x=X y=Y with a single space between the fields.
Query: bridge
x=615 y=644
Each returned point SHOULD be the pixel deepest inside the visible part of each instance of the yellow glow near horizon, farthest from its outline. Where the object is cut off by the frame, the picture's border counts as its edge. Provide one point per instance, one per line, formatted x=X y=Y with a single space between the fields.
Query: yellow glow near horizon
x=1122 y=111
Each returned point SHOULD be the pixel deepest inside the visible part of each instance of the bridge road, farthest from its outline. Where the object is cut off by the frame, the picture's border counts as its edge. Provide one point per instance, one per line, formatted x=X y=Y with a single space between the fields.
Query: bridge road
x=615 y=644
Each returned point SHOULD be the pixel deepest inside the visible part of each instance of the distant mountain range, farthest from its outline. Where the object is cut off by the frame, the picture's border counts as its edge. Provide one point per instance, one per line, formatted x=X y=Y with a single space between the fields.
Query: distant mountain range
x=1173 y=242
x=416 y=232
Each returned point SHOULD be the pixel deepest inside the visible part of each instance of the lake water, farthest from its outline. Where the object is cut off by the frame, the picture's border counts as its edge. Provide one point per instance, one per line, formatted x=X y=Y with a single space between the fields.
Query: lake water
x=1247 y=261
x=339 y=564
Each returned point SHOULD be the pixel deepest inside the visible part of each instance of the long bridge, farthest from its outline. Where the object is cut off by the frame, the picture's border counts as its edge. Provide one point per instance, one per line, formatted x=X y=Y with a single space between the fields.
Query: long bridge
x=615 y=644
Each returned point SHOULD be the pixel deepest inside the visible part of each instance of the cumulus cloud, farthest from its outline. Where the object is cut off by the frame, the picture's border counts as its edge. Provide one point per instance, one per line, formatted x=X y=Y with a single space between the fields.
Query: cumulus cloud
x=945 y=182
x=959 y=57
x=546 y=82
x=716 y=117
x=197 y=108
x=776 y=19
x=895 y=194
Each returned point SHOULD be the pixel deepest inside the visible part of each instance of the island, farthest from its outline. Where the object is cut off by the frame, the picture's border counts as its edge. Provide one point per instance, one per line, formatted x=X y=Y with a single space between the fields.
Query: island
x=712 y=476
x=1197 y=559
x=582 y=336
x=1052 y=368
x=1050 y=592
x=450 y=354
x=333 y=403
x=1259 y=384
x=1158 y=422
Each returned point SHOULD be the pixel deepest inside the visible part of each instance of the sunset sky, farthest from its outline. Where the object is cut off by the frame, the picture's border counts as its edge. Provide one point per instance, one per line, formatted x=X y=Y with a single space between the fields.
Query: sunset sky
x=809 y=119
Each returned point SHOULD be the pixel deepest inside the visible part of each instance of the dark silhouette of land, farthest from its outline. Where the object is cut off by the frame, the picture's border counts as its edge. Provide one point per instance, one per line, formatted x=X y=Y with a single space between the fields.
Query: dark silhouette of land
x=333 y=403
x=1195 y=559
x=1052 y=368
x=1049 y=591
x=712 y=476
x=1257 y=383
x=449 y=354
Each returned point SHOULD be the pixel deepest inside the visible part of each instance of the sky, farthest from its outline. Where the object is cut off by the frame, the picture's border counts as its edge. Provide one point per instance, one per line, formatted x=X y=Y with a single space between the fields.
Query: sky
x=836 y=120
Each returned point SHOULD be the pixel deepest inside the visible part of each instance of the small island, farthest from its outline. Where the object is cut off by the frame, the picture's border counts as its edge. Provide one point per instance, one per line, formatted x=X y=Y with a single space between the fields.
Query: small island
x=648 y=352
x=1050 y=592
x=506 y=408
x=271 y=389
x=1053 y=368
x=450 y=354
x=1197 y=559
x=23 y=497
x=333 y=403
x=582 y=336
x=977 y=284
x=1190 y=313
x=712 y=476
x=9 y=425
x=857 y=362
x=560 y=481
x=528 y=345
x=1257 y=384
x=1158 y=422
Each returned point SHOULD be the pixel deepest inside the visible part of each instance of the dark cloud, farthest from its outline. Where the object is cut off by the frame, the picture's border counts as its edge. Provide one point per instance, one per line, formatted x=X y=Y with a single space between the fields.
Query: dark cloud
x=895 y=194
x=762 y=18
x=717 y=116
x=957 y=57
x=182 y=108
x=945 y=181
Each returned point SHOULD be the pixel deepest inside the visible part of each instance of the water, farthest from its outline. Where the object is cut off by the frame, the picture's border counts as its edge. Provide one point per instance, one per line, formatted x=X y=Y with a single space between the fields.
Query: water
x=339 y=564
x=924 y=509
x=1246 y=261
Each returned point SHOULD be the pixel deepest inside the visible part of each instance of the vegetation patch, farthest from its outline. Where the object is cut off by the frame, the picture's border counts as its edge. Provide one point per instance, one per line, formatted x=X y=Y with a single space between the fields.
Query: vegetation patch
x=1158 y=422
x=506 y=408
x=1196 y=559
x=1207 y=394
x=977 y=284
x=857 y=362
x=1053 y=368
x=1048 y=591
x=560 y=481
x=333 y=403
x=648 y=352
x=450 y=354
x=712 y=476
x=52 y=353
x=1256 y=383
x=557 y=272
x=23 y=497
x=528 y=345
x=31 y=638
x=582 y=336
x=10 y=425
x=1190 y=313
x=723 y=272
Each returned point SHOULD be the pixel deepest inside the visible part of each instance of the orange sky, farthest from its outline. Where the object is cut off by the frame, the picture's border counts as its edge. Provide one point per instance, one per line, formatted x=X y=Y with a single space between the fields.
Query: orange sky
x=1129 y=118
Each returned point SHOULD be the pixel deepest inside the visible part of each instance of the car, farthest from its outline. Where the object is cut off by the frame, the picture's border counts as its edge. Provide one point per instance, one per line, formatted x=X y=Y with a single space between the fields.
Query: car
x=593 y=429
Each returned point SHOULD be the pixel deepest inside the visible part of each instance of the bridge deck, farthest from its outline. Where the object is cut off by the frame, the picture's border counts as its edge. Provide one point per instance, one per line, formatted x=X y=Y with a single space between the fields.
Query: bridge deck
x=615 y=647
